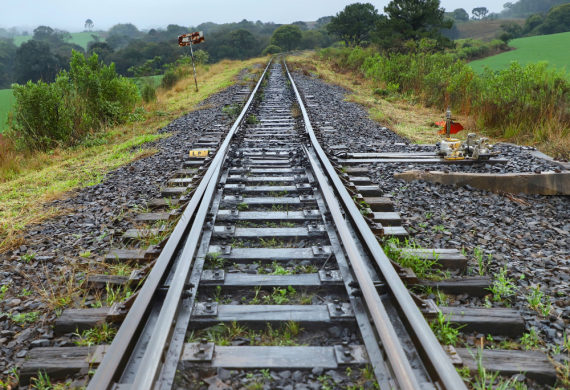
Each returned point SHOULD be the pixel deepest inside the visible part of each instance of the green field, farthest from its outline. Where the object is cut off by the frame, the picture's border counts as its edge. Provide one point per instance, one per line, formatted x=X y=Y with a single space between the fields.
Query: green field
x=5 y=106
x=80 y=39
x=551 y=48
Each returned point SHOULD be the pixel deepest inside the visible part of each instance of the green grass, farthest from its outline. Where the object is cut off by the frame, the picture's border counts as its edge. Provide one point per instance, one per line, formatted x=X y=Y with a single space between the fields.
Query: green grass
x=552 y=48
x=80 y=39
x=6 y=99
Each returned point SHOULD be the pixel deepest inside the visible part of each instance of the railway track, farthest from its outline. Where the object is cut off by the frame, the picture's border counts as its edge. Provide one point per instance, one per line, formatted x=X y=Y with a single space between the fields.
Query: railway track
x=271 y=268
x=269 y=231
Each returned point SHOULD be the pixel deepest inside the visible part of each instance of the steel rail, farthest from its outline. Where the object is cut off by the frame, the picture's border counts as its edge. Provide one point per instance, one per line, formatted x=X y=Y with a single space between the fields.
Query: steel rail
x=150 y=365
x=116 y=358
x=395 y=352
x=439 y=364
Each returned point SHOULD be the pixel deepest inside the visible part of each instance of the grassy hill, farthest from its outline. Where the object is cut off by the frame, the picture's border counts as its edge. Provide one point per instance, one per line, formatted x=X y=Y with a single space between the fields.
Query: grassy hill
x=5 y=106
x=80 y=39
x=485 y=30
x=551 y=48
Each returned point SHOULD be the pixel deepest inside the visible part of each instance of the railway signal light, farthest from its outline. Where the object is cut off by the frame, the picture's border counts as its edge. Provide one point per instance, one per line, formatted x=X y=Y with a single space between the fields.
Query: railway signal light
x=190 y=40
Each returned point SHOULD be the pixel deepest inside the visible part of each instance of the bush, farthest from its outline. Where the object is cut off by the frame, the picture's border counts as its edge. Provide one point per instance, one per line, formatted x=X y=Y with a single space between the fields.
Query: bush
x=169 y=79
x=148 y=93
x=271 y=49
x=526 y=100
x=79 y=102
x=201 y=57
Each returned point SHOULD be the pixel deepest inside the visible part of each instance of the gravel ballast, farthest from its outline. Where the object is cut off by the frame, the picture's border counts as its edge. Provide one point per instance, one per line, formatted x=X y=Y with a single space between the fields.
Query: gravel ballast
x=528 y=234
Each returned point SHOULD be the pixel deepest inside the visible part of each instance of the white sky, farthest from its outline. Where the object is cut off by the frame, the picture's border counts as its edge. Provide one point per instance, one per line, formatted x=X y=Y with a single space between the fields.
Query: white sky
x=71 y=14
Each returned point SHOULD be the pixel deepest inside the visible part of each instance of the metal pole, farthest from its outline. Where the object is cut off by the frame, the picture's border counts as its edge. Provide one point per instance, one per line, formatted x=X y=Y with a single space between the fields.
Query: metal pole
x=193 y=66
x=448 y=123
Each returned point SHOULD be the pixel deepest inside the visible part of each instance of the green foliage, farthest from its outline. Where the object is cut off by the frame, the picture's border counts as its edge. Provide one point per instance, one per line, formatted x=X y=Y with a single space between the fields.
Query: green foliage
x=242 y=206
x=7 y=58
x=503 y=287
x=103 y=333
x=443 y=329
x=557 y=21
x=470 y=49
x=148 y=93
x=412 y=20
x=201 y=57
x=478 y=254
x=530 y=340
x=22 y=318
x=514 y=101
x=532 y=22
x=232 y=110
x=169 y=80
x=535 y=301
x=514 y=30
x=461 y=15
x=489 y=381
x=271 y=49
x=216 y=259
x=28 y=257
x=287 y=37
x=411 y=257
x=80 y=101
x=128 y=29
x=354 y=23
x=35 y=61
x=252 y=119
x=463 y=372
x=3 y=290
x=524 y=8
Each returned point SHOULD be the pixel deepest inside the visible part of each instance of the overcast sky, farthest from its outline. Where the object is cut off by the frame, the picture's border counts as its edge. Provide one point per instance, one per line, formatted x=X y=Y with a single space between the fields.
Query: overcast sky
x=71 y=14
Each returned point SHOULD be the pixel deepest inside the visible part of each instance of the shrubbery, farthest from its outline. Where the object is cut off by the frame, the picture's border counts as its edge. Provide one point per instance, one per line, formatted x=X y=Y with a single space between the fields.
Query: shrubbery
x=79 y=102
x=530 y=100
x=271 y=49
x=169 y=79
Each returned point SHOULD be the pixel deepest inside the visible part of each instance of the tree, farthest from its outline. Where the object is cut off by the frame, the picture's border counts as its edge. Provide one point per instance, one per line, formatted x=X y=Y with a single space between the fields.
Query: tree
x=412 y=20
x=271 y=49
x=322 y=22
x=302 y=25
x=461 y=15
x=54 y=36
x=532 y=22
x=7 y=57
x=354 y=23
x=35 y=61
x=557 y=21
x=61 y=35
x=480 y=12
x=176 y=30
x=43 y=33
x=118 y=41
x=312 y=39
x=524 y=8
x=287 y=37
x=513 y=29
x=89 y=24
x=241 y=39
x=127 y=29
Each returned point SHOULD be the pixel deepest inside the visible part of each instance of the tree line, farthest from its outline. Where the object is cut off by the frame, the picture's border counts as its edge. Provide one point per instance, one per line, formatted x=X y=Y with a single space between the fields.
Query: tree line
x=49 y=50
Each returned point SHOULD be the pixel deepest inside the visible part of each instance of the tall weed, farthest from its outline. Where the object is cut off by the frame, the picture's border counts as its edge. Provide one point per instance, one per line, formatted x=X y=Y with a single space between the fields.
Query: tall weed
x=531 y=101
x=79 y=102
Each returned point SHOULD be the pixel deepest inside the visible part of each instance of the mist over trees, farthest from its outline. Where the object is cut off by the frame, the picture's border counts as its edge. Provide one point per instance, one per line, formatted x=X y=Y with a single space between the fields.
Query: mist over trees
x=127 y=46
